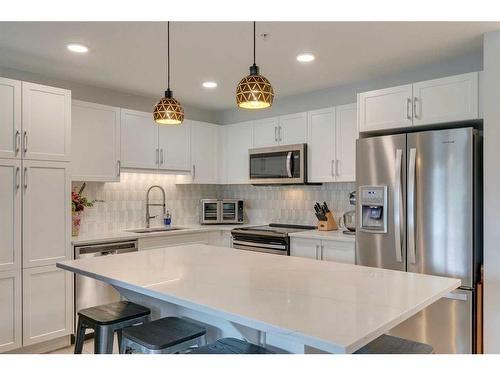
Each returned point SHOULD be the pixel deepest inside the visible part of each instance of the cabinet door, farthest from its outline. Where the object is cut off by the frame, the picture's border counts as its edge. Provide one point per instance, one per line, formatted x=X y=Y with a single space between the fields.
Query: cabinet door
x=10 y=214
x=346 y=133
x=338 y=251
x=385 y=109
x=10 y=310
x=47 y=304
x=321 y=145
x=304 y=248
x=139 y=140
x=446 y=99
x=95 y=142
x=293 y=129
x=46 y=122
x=173 y=142
x=266 y=132
x=204 y=152
x=239 y=139
x=10 y=118
x=46 y=213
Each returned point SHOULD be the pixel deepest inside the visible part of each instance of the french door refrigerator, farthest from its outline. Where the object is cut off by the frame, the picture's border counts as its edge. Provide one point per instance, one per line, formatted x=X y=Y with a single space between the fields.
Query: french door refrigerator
x=418 y=210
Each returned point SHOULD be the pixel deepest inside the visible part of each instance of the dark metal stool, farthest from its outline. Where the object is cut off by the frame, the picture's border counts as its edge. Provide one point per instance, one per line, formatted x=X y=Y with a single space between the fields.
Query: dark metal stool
x=105 y=320
x=231 y=345
x=386 y=344
x=162 y=336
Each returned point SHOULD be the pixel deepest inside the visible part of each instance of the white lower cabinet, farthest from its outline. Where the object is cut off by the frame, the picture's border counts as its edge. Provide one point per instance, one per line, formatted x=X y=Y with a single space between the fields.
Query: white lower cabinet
x=47 y=304
x=10 y=310
x=330 y=250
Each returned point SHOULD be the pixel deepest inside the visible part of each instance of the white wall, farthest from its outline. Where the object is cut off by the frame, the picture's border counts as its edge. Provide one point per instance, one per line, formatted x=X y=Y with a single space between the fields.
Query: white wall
x=491 y=103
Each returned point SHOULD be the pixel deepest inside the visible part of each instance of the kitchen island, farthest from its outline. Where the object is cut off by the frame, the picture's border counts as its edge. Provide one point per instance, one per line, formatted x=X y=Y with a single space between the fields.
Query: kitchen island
x=294 y=304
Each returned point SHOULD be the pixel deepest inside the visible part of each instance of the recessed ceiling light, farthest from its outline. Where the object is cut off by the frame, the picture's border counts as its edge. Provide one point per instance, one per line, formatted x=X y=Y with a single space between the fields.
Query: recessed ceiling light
x=305 y=57
x=78 y=48
x=209 y=84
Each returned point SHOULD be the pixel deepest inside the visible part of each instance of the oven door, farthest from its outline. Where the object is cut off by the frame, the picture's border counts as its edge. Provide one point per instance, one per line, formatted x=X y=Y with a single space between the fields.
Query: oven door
x=278 y=165
x=229 y=211
x=210 y=211
x=261 y=245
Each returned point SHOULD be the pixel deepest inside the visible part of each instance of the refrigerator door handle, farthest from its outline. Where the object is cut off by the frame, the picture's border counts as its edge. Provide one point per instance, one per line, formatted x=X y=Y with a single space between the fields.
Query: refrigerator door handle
x=412 y=254
x=398 y=198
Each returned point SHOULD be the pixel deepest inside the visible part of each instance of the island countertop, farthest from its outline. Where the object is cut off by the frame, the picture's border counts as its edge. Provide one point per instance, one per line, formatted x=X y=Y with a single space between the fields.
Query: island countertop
x=330 y=306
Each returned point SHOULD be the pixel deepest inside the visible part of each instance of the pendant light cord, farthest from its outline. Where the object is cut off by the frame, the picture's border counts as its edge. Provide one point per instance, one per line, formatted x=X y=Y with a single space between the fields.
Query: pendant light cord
x=168 y=55
x=254 y=42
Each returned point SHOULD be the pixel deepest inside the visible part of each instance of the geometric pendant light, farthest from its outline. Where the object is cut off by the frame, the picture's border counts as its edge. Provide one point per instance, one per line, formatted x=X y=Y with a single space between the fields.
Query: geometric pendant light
x=254 y=91
x=168 y=111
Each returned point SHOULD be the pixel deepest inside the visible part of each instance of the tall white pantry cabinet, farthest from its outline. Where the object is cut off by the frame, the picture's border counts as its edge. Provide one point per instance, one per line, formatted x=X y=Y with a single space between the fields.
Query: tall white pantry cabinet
x=35 y=142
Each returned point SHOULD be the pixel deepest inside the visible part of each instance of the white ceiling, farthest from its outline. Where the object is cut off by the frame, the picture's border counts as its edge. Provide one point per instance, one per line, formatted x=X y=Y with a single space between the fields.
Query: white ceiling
x=130 y=56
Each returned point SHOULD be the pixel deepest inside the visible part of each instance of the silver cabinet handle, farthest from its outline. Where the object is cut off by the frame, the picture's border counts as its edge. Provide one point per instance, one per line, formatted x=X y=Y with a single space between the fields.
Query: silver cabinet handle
x=321 y=253
x=289 y=164
x=408 y=109
x=157 y=156
x=194 y=172
x=275 y=134
x=161 y=156
x=25 y=178
x=17 y=141
x=412 y=253
x=337 y=168
x=25 y=142
x=118 y=167
x=279 y=133
x=333 y=167
x=398 y=198
x=317 y=249
x=17 y=178
x=415 y=112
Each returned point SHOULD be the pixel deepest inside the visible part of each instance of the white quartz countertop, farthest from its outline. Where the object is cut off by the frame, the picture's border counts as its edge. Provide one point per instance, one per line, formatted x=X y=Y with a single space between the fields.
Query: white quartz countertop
x=331 y=306
x=124 y=235
x=331 y=235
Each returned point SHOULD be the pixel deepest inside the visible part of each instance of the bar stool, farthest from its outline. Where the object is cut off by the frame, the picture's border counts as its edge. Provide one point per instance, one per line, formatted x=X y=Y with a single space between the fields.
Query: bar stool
x=105 y=320
x=231 y=345
x=386 y=344
x=162 y=336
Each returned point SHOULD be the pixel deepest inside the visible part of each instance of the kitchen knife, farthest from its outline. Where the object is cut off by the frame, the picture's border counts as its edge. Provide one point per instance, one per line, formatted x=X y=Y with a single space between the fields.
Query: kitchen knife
x=325 y=207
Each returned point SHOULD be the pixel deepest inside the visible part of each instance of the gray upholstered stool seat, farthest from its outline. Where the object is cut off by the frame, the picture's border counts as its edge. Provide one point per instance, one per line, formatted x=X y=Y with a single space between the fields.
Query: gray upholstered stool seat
x=231 y=345
x=386 y=344
x=105 y=320
x=162 y=336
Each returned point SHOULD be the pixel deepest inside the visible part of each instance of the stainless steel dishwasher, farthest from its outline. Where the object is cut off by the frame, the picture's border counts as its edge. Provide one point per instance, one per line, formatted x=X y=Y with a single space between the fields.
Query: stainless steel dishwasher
x=90 y=292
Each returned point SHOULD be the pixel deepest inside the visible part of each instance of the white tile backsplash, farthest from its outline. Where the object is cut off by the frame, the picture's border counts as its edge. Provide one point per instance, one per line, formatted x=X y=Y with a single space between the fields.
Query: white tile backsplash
x=124 y=203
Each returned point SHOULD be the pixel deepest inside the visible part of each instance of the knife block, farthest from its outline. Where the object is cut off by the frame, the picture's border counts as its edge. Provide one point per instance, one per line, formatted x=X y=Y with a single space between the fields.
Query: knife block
x=329 y=223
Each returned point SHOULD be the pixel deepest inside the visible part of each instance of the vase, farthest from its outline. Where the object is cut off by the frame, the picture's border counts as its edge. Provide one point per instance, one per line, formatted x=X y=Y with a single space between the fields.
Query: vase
x=76 y=219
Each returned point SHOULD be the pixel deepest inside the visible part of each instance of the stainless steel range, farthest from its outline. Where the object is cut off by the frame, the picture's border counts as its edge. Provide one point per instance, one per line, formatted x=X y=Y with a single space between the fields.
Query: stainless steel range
x=272 y=238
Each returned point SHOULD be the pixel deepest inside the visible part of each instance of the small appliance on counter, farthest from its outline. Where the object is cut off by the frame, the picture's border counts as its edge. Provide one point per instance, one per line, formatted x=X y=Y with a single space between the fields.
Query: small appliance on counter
x=325 y=217
x=221 y=211
x=348 y=219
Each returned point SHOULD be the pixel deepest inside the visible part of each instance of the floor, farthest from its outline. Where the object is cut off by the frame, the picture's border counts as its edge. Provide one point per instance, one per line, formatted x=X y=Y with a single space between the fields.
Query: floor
x=88 y=348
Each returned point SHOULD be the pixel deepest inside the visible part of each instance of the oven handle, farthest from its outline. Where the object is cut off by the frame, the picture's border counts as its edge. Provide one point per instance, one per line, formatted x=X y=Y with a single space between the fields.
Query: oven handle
x=259 y=249
x=259 y=245
x=289 y=164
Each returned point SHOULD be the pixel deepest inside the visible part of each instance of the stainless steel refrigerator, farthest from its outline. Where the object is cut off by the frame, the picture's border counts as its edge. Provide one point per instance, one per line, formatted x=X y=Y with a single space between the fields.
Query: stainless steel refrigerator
x=418 y=210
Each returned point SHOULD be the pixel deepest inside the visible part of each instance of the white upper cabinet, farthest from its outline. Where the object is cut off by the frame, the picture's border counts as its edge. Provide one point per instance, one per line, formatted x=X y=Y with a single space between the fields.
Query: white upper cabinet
x=10 y=118
x=321 y=145
x=139 y=140
x=46 y=213
x=46 y=122
x=173 y=145
x=47 y=304
x=10 y=214
x=10 y=310
x=238 y=139
x=95 y=144
x=449 y=99
x=204 y=154
x=446 y=99
x=385 y=109
x=266 y=132
x=346 y=133
x=293 y=128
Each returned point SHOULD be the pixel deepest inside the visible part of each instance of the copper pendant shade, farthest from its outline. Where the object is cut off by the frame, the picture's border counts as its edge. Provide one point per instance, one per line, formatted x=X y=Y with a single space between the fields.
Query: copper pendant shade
x=254 y=91
x=168 y=111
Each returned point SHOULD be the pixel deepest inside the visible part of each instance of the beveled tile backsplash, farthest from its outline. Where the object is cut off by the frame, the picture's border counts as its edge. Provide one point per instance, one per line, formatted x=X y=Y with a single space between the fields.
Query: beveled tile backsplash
x=124 y=203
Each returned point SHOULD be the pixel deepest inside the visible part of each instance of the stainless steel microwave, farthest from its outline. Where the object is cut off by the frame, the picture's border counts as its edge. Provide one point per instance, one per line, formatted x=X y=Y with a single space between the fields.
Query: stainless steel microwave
x=284 y=165
x=221 y=211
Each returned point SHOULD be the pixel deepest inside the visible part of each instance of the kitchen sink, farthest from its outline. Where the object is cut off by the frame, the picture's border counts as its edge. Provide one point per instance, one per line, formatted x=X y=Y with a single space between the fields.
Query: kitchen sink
x=153 y=230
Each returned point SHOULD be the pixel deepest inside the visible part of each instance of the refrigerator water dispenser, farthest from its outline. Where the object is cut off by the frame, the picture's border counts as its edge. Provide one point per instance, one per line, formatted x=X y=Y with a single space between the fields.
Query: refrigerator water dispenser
x=373 y=202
